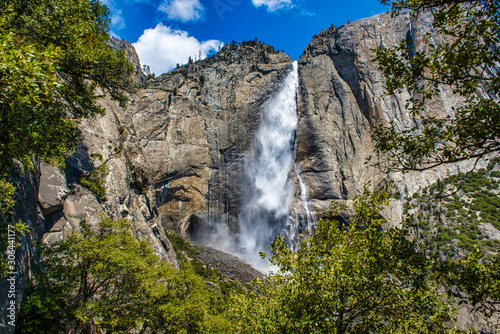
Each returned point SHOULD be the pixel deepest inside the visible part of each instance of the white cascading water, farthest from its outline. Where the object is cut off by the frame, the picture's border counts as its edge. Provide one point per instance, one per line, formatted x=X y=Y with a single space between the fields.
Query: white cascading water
x=269 y=190
x=307 y=216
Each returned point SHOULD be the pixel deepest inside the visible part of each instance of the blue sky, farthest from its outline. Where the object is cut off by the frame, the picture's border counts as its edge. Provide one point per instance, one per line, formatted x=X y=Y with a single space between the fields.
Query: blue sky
x=167 y=32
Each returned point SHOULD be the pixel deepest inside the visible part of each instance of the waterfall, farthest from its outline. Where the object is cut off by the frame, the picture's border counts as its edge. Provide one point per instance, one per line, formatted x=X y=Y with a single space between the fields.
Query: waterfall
x=302 y=222
x=304 y=196
x=268 y=190
x=268 y=185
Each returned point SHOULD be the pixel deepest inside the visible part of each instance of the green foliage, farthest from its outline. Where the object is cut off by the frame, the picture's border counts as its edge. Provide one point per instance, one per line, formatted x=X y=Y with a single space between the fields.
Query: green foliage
x=95 y=181
x=346 y=279
x=109 y=279
x=6 y=198
x=182 y=246
x=448 y=227
x=82 y=273
x=466 y=60
x=475 y=282
x=188 y=253
x=54 y=54
x=9 y=242
x=80 y=29
x=9 y=233
x=44 y=310
x=31 y=123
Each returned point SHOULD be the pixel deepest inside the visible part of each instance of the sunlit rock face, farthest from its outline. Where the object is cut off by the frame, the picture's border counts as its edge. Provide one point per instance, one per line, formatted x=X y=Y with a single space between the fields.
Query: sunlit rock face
x=342 y=96
x=174 y=156
x=131 y=55
x=187 y=133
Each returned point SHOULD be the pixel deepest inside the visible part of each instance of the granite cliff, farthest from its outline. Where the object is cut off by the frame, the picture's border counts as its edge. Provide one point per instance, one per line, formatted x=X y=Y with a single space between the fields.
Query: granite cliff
x=171 y=159
x=342 y=96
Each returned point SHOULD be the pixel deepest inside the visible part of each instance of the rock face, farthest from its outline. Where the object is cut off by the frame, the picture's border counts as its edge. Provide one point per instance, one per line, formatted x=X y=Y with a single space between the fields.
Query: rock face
x=130 y=54
x=184 y=135
x=27 y=211
x=53 y=190
x=342 y=98
x=172 y=157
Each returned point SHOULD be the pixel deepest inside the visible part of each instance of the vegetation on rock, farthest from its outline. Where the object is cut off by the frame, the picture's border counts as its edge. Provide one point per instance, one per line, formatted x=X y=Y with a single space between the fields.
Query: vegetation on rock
x=466 y=59
x=94 y=181
x=449 y=225
x=186 y=252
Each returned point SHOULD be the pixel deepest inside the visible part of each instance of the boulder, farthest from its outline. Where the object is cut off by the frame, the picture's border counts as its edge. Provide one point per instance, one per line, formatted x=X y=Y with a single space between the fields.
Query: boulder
x=52 y=189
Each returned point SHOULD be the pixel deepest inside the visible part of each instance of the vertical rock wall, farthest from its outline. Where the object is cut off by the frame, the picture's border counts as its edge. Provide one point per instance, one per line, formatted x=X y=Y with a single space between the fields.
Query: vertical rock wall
x=186 y=132
x=342 y=96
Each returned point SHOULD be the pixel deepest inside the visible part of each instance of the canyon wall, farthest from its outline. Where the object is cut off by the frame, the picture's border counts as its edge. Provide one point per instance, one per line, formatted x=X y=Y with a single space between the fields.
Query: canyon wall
x=172 y=157
x=342 y=96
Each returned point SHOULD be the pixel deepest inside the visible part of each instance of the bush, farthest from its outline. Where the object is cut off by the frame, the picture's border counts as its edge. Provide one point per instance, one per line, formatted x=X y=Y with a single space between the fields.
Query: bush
x=95 y=182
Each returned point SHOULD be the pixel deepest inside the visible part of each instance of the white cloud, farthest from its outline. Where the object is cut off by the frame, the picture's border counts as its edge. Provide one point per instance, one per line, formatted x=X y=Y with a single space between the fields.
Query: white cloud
x=273 y=5
x=117 y=20
x=182 y=10
x=162 y=48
